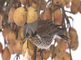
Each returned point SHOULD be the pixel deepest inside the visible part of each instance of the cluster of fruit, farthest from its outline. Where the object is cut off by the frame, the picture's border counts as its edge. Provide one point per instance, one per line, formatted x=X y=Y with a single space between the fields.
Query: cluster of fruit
x=17 y=13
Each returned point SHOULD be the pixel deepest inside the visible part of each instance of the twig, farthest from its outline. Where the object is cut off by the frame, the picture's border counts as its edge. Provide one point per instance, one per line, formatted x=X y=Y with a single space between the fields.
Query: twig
x=53 y=50
x=39 y=9
x=35 y=52
x=65 y=16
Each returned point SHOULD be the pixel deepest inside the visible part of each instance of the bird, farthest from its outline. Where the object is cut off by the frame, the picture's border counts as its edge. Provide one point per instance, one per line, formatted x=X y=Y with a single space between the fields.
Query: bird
x=42 y=33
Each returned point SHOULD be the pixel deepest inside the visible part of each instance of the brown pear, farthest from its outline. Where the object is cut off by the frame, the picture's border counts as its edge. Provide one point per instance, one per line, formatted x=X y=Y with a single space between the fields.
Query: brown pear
x=1 y=16
x=31 y=48
x=11 y=49
x=79 y=8
x=31 y=15
x=73 y=36
x=1 y=47
x=5 y=31
x=47 y=14
x=18 y=46
x=74 y=10
x=76 y=46
x=58 y=2
x=67 y=56
x=76 y=3
x=24 y=1
x=10 y=14
x=57 y=58
x=35 y=6
x=21 y=29
x=46 y=54
x=60 y=50
x=20 y=16
x=6 y=54
x=11 y=37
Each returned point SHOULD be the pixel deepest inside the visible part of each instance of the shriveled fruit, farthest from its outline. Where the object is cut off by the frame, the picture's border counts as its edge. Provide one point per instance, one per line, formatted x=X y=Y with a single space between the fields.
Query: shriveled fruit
x=46 y=54
x=11 y=49
x=21 y=32
x=24 y=48
x=68 y=0
x=74 y=10
x=63 y=3
x=58 y=58
x=18 y=46
x=79 y=8
x=60 y=50
x=35 y=6
x=5 y=31
x=6 y=54
x=42 y=7
x=58 y=15
x=73 y=36
x=52 y=51
x=47 y=14
x=1 y=16
x=31 y=15
x=24 y=1
x=76 y=46
x=10 y=14
x=67 y=56
x=1 y=47
x=11 y=37
x=76 y=3
x=58 y=2
x=31 y=48
x=20 y=16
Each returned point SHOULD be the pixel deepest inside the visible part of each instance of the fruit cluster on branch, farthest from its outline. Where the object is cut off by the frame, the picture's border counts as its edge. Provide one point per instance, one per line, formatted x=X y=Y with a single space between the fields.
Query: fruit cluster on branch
x=22 y=21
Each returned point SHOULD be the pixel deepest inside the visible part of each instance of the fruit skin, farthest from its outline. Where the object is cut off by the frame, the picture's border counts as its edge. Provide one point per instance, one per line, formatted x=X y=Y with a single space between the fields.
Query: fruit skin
x=11 y=49
x=1 y=47
x=20 y=16
x=18 y=46
x=24 y=1
x=73 y=37
x=21 y=32
x=58 y=2
x=76 y=3
x=57 y=58
x=60 y=50
x=67 y=56
x=47 y=14
x=46 y=54
x=6 y=54
x=5 y=31
x=31 y=15
x=10 y=14
x=76 y=46
x=74 y=10
x=11 y=37
x=79 y=8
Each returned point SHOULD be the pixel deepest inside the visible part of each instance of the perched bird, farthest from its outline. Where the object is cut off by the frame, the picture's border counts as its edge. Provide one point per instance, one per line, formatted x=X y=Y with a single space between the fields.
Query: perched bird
x=42 y=32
